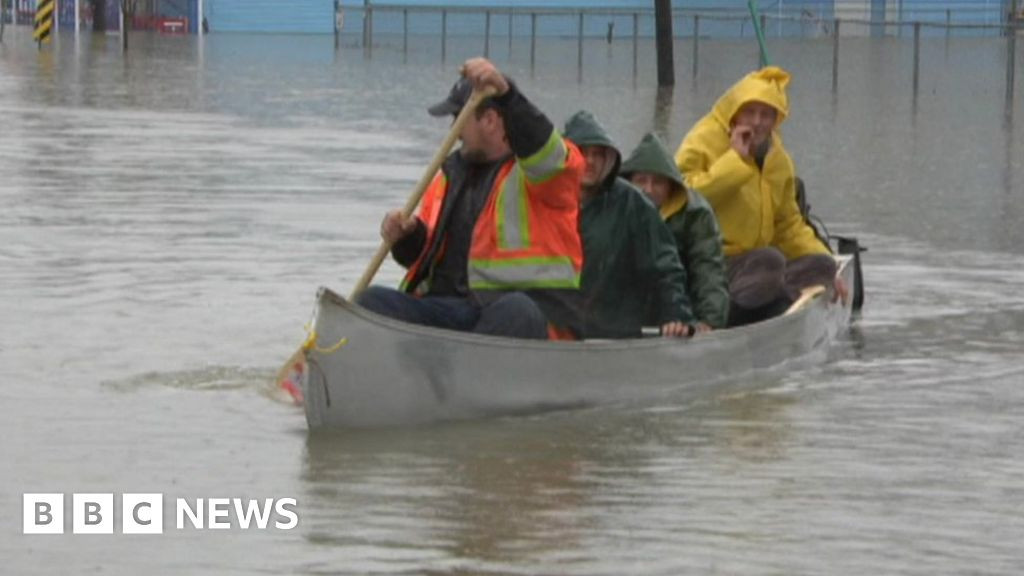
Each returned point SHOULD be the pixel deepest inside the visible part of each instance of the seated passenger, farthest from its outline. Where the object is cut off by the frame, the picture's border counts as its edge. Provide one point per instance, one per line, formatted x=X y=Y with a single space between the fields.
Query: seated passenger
x=693 y=224
x=628 y=252
x=495 y=247
x=734 y=157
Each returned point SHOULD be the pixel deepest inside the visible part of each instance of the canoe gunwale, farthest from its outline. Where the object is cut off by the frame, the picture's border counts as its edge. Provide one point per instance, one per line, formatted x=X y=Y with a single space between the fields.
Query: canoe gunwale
x=454 y=336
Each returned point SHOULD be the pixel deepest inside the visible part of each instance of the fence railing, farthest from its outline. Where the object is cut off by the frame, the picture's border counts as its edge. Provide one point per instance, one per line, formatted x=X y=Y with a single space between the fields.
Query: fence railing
x=382 y=25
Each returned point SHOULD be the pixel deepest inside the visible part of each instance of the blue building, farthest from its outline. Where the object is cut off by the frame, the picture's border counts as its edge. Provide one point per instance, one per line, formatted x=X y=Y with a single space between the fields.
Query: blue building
x=790 y=17
x=555 y=17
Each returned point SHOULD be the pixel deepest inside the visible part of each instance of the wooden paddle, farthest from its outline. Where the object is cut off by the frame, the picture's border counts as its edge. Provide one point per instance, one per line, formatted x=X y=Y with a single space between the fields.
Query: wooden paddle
x=806 y=295
x=289 y=377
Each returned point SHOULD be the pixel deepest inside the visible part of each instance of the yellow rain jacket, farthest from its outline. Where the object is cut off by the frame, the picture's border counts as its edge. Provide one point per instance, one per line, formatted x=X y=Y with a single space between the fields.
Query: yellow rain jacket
x=756 y=207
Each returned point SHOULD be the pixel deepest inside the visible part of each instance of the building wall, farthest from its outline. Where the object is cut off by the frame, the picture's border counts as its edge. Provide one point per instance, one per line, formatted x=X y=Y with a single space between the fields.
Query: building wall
x=271 y=16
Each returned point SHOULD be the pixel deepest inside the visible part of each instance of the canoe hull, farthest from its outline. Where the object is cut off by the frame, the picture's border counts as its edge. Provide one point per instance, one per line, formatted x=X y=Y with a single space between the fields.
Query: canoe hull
x=391 y=373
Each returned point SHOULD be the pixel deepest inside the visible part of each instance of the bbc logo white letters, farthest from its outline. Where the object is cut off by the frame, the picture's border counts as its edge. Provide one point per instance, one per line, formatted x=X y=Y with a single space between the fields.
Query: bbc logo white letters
x=43 y=513
x=142 y=514
x=93 y=513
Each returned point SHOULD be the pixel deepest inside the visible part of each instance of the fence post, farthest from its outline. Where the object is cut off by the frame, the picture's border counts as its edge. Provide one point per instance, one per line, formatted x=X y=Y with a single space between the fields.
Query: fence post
x=335 y=24
x=533 y=38
x=579 y=49
x=696 y=42
x=1011 y=50
x=917 y=55
x=487 y=34
x=444 y=35
x=835 y=55
x=509 y=33
x=636 y=41
x=369 y=31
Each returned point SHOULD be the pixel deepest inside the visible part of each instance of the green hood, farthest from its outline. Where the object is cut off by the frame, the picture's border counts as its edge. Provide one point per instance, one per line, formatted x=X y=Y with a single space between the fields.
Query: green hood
x=651 y=156
x=584 y=130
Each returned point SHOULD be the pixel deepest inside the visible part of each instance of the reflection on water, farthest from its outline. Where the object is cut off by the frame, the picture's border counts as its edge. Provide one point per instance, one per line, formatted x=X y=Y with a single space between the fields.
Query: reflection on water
x=169 y=213
x=523 y=490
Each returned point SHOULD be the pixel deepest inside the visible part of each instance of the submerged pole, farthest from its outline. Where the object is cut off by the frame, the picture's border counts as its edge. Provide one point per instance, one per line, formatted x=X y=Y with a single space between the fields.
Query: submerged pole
x=369 y=31
x=835 y=55
x=533 y=39
x=696 y=42
x=1011 y=51
x=405 y=32
x=123 y=23
x=917 y=55
x=444 y=35
x=509 y=33
x=335 y=24
x=663 y=40
x=487 y=34
x=636 y=35
x=579 y=49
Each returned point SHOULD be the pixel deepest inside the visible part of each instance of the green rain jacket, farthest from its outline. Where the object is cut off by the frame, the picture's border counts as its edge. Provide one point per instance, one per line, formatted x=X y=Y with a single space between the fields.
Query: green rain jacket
x=628 y=252
x=696 y=231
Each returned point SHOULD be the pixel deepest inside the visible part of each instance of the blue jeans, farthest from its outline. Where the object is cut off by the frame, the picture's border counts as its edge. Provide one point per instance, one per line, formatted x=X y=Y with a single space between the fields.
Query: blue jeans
x=513 y=314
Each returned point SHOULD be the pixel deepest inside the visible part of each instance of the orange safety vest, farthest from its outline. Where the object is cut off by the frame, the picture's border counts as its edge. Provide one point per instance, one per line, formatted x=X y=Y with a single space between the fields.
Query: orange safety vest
x=527 y=234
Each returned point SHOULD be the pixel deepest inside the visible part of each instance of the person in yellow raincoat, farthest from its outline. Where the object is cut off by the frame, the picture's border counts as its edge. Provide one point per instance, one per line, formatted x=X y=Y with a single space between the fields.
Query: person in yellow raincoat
x=734 y=157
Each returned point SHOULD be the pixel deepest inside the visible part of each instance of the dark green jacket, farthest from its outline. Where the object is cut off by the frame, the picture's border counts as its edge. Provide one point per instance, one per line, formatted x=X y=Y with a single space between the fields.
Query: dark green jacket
x=695 y=228
x=629 y=255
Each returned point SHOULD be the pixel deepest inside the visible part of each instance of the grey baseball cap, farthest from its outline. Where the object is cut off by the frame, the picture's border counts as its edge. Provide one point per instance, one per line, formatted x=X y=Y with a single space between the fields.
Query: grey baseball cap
x=457 y=98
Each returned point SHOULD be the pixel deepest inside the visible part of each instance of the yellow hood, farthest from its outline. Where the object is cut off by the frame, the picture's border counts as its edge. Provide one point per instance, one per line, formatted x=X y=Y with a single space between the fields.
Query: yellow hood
x=676 y=202
x=766 y=85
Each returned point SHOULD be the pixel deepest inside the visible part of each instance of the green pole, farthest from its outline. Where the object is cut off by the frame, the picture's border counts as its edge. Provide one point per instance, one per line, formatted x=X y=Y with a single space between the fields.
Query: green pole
x=752 y=5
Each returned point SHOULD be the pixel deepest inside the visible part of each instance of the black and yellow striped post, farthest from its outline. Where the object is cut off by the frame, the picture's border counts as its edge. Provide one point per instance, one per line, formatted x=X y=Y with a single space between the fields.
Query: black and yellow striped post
x=44 y=22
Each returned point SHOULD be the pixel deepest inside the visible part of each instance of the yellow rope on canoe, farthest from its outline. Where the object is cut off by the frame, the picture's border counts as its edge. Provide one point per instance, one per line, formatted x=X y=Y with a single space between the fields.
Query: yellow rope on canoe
x=310 y=343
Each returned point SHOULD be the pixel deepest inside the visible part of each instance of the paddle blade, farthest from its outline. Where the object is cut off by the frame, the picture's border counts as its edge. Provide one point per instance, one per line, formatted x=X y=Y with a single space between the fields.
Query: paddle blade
x=292 y=377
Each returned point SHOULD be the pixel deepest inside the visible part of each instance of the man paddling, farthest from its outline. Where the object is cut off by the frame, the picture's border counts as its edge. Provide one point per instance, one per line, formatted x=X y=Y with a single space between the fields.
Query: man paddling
x=494 y=247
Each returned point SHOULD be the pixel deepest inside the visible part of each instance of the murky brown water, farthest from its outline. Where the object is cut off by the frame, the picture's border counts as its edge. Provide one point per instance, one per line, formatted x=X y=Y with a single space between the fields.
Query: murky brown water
x=167 y=216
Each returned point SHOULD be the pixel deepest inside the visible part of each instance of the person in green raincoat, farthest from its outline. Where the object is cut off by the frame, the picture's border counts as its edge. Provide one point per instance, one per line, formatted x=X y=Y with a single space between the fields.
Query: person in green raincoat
x=629 y=254
x=651 y=168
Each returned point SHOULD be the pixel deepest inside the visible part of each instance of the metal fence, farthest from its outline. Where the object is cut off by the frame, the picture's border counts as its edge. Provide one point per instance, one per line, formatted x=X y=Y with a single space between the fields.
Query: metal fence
x=382 y=26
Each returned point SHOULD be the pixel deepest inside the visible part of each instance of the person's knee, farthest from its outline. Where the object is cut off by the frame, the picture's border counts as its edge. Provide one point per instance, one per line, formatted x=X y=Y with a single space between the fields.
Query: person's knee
x=519 y=303
x=377 y=299
x=771 y=258
x=811 y=269
x=515 y=315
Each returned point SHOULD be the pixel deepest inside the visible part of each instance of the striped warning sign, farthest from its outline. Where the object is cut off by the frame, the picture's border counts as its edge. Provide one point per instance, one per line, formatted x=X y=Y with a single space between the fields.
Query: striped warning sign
x=44 y=21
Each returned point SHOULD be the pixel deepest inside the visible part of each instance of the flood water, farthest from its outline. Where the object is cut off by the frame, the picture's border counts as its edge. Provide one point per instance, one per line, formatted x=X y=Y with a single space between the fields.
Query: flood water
x=167 y=215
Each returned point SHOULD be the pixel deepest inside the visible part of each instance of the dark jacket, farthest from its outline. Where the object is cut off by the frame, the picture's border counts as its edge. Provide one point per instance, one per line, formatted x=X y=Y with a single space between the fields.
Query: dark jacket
x=628 y=252
x=695 y=228
x=469 y=186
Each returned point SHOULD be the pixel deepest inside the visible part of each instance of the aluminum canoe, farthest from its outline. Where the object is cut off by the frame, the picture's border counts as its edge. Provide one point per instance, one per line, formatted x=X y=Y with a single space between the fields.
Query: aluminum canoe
x=367 y=370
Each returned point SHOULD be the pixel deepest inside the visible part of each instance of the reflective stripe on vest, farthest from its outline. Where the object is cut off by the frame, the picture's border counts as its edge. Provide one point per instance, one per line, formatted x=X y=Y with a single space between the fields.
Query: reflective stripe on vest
x=546 y=162
x=529 y=272
x=513 y=213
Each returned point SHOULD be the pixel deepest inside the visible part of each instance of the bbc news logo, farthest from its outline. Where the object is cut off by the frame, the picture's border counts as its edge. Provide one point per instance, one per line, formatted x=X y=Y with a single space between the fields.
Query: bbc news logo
x=144 y=513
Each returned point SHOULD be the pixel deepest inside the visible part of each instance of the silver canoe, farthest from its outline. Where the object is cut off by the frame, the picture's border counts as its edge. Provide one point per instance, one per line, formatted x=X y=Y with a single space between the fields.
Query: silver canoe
x=368 y=370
